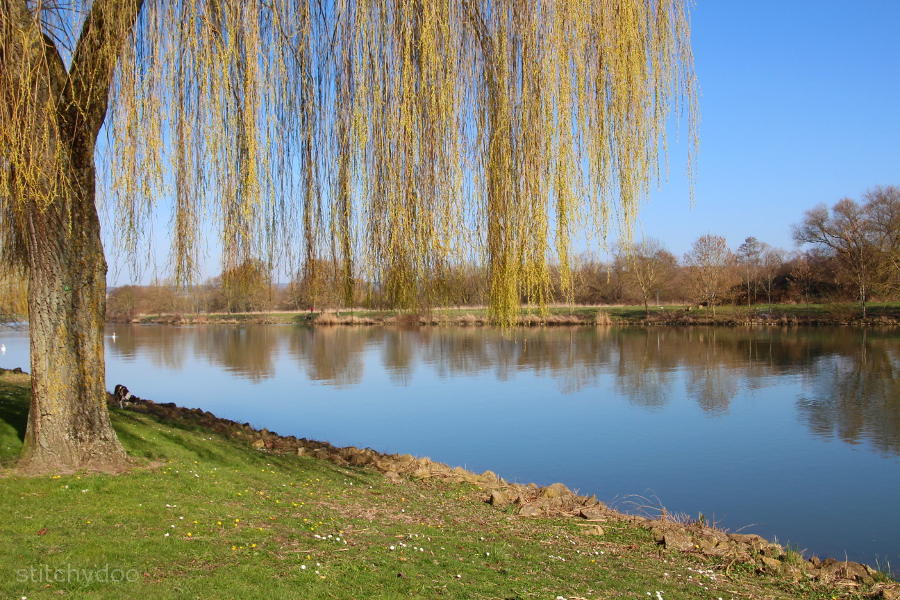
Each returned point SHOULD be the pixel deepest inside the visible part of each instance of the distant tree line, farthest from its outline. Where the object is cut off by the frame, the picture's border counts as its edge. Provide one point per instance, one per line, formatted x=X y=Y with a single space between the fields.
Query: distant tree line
x=847 y=253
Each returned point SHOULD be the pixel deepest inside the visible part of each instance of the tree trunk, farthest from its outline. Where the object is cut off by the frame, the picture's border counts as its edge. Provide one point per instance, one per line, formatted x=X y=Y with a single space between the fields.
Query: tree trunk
x=68 y=423
x=862 y=297
x=61 y=113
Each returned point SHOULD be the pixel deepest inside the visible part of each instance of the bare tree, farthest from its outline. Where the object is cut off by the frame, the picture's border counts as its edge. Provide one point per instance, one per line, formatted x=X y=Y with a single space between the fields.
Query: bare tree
x=802 y=274
x=649 y=267
x=771 y=262
x=247 y=286
x=748 y=257
x=882 y=206
x=709 y=265
x=387 y=134
x=122 y=303
x=845 y=231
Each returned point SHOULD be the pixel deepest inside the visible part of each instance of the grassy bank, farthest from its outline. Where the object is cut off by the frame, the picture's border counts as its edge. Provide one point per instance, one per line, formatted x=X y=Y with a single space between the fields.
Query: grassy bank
x=883 y=313
x=215 y=509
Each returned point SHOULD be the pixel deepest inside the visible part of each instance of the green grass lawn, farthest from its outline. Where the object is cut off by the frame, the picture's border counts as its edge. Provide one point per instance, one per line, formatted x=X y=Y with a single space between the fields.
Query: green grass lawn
x=202 y=515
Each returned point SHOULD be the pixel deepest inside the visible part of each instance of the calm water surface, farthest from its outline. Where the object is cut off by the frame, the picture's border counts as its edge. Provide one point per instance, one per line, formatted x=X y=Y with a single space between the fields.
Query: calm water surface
x=790 y=433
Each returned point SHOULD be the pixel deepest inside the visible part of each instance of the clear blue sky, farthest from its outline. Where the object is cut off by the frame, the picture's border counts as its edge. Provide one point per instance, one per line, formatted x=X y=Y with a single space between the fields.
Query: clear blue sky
x=800 y=105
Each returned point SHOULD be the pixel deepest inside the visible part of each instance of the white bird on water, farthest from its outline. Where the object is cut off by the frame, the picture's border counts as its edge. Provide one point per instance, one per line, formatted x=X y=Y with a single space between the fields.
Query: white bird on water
x=2 y=348
x=114 y=337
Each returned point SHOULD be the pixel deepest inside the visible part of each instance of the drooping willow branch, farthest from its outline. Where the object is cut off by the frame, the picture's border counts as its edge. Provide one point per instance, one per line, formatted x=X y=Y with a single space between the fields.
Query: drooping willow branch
x=394 y=138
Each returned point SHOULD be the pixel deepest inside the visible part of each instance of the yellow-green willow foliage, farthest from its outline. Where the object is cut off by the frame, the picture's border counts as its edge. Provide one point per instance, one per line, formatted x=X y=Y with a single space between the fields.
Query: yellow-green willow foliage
x=498 y=129
x=397 y=137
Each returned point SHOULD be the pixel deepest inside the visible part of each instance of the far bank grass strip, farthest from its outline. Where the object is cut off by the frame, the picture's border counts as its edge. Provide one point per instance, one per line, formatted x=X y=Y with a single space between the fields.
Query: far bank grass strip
x=883 y=314
x=203 y=513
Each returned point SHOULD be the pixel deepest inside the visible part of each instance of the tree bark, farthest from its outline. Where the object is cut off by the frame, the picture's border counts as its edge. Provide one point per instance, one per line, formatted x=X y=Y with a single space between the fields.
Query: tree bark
x=63 y=111
x=68 y=422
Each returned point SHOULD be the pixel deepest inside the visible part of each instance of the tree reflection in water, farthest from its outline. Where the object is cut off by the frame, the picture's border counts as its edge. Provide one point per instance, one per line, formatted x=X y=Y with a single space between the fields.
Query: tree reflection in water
x=857 y=394
x=852 y=375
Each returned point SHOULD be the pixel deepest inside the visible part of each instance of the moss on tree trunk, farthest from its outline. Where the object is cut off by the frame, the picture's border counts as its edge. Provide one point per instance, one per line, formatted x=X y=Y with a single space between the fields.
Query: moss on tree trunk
x=68 y=424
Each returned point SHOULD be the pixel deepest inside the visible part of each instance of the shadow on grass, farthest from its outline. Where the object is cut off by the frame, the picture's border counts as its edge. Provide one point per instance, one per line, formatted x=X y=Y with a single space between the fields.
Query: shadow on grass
x=187 y=441
x=135 y=444
x=170 y=439
x=14 y=403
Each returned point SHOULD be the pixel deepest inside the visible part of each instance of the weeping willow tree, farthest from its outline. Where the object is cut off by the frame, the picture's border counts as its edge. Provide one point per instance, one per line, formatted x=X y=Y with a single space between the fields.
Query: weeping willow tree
x=395 y=138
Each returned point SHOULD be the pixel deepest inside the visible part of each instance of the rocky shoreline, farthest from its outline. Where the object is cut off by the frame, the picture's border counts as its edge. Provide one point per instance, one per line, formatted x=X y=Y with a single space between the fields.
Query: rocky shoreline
x=555 y=500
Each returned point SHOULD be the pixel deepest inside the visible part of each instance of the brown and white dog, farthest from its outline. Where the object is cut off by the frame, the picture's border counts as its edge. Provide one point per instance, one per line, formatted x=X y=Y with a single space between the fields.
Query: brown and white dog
x=121 y=394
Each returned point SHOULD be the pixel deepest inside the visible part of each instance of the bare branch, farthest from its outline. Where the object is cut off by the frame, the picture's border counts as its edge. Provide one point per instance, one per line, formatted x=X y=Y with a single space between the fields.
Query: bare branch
x=106 y=29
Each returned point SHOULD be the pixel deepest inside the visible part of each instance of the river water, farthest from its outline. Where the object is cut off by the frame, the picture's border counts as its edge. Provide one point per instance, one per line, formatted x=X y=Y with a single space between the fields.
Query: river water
x=792 y=433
